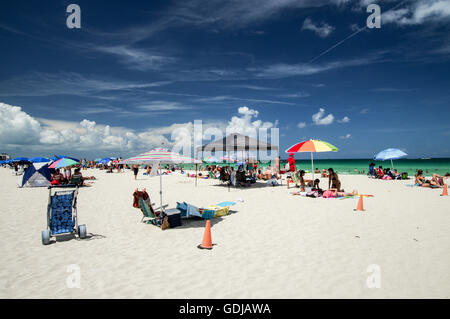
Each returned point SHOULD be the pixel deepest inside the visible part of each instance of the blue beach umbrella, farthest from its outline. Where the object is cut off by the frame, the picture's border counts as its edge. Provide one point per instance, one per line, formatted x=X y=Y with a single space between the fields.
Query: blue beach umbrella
x=389 y=154
x=105 y=160
x=20 y=159
x=39 y=160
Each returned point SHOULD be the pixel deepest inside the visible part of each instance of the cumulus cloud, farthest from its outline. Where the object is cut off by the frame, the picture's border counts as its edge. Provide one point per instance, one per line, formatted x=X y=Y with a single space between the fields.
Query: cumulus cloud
x=322 y=30
x=17 y=127
x=345 y=137
x=301 y=125
x=345 y=119
x=319 y=118
x=246 y=123
x=19 y=130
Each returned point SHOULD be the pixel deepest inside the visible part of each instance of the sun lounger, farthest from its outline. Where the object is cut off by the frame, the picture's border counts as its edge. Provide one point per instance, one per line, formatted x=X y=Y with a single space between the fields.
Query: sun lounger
x=150 y=215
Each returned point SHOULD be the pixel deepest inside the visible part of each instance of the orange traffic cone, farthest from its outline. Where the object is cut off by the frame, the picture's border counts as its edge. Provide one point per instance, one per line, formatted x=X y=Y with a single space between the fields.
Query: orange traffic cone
x=207 y=242
x=445 y=192
x=359 y=207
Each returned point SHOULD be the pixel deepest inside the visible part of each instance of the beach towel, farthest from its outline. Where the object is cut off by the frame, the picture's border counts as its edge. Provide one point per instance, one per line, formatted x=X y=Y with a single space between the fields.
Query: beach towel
x=223 y=204
x=140 y=195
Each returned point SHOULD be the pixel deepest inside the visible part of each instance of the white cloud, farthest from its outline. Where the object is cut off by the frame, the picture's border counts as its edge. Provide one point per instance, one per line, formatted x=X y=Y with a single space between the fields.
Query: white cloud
x=322 y=30
x=345 y=137
x=345 y=119
x=301 y=125
x=364 y=111
x=136 y=59
x=245 y=124
x=238 y=13
x=17 y=127
x=419 y=12
x=281 y=70
x=319 y=118
x=296 y=95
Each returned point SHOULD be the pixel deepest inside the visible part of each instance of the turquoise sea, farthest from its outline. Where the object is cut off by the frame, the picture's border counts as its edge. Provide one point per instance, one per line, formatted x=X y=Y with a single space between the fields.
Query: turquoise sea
x=361 y=166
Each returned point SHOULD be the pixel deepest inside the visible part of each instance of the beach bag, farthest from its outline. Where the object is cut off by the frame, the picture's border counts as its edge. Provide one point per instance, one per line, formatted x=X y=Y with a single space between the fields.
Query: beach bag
x=165 y=224
x=404 y=175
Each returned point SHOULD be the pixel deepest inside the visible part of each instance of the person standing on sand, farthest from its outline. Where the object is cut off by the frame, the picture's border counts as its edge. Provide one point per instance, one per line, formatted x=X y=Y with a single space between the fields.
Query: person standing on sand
x=277 y=164
x=333 y=180
x=135 y=170
x=291 y=162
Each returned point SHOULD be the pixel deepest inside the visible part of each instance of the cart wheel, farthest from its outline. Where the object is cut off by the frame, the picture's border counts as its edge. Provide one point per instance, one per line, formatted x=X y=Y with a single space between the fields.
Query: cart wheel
x=82 y=231
x=45 y=237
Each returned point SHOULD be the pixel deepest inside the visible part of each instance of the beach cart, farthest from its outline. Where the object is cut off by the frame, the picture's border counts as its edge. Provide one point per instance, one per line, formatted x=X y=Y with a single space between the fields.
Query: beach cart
x=62 y=217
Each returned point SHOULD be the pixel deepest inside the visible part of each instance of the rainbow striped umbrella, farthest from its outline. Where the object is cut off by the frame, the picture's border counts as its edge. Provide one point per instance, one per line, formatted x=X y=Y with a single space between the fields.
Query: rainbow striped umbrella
x=312 y=146
x=63 y=162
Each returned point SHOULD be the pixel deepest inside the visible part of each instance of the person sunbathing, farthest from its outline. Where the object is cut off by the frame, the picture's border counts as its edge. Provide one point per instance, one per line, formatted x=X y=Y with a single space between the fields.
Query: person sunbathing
x=380 y=172
x=421 y=180
x=324 y=173
x=335 y=193
x=57 y=178
x=437 y=180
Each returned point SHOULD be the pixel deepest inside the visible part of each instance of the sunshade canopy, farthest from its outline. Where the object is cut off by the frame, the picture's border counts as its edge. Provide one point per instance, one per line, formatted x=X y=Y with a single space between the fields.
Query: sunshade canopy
x=236 y=142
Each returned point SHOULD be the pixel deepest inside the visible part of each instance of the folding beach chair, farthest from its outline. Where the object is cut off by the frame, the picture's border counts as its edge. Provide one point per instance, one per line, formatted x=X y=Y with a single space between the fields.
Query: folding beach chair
x=295 y=178
x=76 y=180
x=150 y=215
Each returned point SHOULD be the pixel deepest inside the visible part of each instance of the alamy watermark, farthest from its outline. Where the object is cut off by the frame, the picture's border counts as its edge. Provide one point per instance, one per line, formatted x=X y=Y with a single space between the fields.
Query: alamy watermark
x=374 y=279
x=260 y=143
x=73 y=20
x=74 y=279
x=374 y=19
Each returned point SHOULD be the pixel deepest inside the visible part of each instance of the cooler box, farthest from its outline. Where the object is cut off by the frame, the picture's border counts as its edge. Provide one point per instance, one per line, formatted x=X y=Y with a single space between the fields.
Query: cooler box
x=174 y=216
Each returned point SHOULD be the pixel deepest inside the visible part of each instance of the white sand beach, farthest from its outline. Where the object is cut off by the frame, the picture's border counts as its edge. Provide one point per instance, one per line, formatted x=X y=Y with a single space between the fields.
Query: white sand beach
x=274 y=244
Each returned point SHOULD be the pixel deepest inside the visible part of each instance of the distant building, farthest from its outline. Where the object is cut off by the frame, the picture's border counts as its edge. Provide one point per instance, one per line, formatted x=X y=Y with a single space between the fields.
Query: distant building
x=4 y=157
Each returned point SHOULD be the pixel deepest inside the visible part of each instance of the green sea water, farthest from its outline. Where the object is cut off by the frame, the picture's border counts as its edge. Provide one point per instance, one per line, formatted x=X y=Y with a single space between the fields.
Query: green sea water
x=361 y=166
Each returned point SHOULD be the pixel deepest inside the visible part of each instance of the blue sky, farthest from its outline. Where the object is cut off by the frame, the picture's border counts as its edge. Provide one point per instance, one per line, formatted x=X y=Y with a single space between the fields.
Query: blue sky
x=136 y=71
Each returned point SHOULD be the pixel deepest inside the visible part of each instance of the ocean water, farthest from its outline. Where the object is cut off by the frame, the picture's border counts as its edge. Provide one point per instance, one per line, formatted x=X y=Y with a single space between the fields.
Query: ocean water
x=361 y=166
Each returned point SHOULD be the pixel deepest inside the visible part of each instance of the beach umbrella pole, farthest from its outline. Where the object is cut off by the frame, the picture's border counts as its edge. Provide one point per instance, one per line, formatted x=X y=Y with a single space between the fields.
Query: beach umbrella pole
x=312 y=166
x=392 y=164
x=160 y=187
x=195 y=175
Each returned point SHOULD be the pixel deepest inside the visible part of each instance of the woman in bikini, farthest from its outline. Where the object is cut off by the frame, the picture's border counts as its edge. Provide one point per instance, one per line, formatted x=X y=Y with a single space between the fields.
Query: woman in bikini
x=303 y=182
x=333 y=180
x=420 y=179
